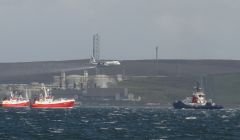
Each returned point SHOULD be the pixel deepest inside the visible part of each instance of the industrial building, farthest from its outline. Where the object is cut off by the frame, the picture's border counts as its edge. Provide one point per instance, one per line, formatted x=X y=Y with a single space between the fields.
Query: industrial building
x=90 y=88
x=85 y=81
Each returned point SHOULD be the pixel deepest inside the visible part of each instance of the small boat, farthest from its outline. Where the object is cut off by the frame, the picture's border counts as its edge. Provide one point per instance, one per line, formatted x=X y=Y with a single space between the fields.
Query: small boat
x=197 y=101
x=15 y=101
x=48 y=101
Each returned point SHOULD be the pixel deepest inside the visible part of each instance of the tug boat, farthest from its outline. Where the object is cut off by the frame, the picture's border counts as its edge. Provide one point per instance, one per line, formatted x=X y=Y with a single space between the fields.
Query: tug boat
x=197 y=101
x=15 y=101
x=48 y=101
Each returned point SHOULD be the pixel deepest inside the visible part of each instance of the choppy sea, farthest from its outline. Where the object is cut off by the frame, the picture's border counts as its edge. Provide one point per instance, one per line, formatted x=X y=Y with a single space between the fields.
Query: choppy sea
x=83 y=123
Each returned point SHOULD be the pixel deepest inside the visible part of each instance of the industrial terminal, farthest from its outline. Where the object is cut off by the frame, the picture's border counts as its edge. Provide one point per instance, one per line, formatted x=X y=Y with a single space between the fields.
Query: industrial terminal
x=98 y=82
x=99 y=88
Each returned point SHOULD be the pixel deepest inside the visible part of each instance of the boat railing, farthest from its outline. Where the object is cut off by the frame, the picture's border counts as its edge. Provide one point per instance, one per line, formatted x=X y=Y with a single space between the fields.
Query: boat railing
x=187 y=100
x=210 y=101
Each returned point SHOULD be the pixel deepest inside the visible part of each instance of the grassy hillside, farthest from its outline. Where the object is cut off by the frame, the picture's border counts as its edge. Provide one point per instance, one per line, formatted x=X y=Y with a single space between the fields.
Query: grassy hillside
x=222 y=88
x=225 y=88
x=162 y=90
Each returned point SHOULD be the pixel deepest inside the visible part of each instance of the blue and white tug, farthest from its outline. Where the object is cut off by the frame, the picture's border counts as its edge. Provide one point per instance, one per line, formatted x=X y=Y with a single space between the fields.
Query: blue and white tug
x=197 y=101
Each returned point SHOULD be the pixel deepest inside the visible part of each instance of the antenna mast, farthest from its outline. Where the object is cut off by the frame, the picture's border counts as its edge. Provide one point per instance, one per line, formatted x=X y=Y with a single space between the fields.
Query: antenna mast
x=96 y=47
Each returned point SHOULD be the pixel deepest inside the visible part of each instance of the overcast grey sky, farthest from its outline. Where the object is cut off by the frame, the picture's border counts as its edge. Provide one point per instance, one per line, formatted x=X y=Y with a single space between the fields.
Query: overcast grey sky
x=39 y=30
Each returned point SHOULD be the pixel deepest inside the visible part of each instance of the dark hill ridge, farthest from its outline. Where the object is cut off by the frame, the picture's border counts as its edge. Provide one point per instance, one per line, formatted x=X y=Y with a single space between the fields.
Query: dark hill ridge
x=27 y=72
x=182 y=67
x=43 y=71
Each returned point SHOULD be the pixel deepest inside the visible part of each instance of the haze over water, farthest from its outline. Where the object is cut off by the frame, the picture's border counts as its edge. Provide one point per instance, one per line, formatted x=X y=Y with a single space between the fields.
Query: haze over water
x=119 y=124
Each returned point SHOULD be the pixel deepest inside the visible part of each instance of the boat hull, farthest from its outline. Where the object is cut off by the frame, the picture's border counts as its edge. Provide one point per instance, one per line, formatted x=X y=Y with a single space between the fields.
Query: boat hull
x=181 y=105
x=67 y=104
x=16 y=105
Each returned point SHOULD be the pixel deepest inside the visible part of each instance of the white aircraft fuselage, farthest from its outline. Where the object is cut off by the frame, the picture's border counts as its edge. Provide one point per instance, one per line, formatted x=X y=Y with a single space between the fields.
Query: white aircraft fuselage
x=104 y=63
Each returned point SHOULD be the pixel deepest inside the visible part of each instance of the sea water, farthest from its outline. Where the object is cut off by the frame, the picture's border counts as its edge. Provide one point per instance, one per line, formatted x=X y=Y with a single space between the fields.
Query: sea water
x=114 y=123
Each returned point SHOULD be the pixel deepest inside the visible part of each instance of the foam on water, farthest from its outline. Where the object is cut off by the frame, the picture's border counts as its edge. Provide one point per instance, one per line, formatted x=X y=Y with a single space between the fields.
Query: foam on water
x=191 y=118
x=117 y=128
x=56 y=130
x=113 y=122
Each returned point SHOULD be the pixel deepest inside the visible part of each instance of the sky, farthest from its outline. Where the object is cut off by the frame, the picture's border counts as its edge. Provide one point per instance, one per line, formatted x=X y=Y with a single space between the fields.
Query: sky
x=43 y=30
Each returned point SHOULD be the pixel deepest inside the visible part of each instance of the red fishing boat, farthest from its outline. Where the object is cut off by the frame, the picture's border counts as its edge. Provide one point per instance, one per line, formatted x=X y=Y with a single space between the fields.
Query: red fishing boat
x=15 y=101
x=48 y=101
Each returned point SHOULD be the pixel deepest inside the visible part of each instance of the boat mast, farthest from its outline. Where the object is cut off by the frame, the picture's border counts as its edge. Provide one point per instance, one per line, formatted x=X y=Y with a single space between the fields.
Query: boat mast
x=27 y=94
x=45 y=91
